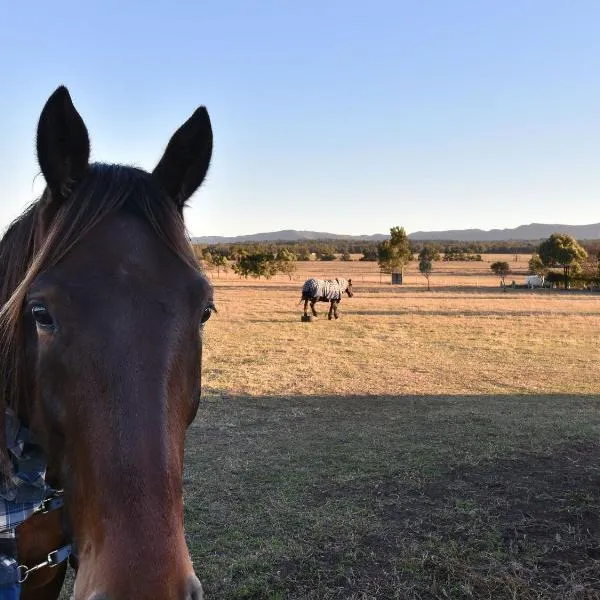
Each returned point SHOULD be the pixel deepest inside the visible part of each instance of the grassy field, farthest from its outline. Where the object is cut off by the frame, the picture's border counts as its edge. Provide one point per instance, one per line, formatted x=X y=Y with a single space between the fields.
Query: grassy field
x=427 y=445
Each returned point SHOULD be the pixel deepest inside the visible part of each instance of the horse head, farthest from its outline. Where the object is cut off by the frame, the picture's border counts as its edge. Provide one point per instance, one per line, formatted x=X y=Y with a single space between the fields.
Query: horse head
x=102 y=350
x=348 y=289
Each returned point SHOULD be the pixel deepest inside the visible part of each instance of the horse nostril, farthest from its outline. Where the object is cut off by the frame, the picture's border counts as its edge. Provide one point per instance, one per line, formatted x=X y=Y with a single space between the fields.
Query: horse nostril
x=194 y=589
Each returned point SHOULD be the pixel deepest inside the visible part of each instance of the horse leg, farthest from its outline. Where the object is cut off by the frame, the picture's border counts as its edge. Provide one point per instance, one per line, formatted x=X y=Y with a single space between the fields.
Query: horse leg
x=312 y=307
x=335 y=309
x=330 y=309
x=306 y=307
x=36 y=538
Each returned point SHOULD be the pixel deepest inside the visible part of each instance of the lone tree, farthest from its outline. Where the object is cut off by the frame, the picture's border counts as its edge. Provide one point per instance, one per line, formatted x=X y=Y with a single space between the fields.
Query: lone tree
x=426 y=257
x=220 y=262
x=501 y=268
x=393 y=254
x=426 y=266
x=562 y=250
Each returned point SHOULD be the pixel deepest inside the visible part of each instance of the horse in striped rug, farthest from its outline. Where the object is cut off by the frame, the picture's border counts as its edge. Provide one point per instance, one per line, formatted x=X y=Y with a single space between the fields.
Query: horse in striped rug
x=325 y=290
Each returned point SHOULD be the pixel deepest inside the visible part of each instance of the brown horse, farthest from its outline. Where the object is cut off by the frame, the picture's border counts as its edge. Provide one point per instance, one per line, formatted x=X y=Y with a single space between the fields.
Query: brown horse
x=102 y=309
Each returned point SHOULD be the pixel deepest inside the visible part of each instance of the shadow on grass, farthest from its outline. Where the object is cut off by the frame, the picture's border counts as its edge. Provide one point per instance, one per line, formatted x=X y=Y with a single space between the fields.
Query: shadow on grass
x=396 y=497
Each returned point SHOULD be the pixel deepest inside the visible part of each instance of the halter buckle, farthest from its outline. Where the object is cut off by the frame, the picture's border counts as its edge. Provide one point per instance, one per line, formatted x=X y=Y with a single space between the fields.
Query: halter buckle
x=55 y=558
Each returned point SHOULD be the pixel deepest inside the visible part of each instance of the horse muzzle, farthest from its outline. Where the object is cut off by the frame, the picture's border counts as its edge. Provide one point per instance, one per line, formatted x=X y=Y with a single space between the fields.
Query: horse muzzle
x=193 y=591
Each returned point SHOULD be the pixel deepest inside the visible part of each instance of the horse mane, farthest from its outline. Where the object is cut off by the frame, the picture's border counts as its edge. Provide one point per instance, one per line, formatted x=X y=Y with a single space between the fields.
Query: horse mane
x=105 y=190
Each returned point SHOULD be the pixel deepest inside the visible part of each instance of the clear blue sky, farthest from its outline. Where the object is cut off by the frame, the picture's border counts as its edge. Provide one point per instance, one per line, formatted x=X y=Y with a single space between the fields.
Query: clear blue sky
x=342 y=116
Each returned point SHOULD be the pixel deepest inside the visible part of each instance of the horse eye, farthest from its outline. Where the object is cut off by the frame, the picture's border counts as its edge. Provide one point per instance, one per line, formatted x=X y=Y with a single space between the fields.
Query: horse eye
x=206 y=315
x=42 y=316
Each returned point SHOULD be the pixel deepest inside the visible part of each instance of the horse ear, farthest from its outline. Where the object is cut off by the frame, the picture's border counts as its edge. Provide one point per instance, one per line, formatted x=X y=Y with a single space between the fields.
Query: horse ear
x=63 y=145
x=185 y=162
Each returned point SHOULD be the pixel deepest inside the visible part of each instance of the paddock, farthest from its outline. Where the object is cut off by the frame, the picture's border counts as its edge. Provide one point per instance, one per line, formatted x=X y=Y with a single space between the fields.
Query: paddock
x=424 y=446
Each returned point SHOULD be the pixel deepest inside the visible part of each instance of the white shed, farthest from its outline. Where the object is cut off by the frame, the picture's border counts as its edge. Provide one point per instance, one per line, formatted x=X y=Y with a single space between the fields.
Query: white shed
x=533 y=281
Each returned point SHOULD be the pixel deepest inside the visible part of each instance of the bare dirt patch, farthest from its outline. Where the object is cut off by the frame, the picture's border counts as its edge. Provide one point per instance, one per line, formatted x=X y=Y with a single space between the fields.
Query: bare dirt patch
x=526 y=527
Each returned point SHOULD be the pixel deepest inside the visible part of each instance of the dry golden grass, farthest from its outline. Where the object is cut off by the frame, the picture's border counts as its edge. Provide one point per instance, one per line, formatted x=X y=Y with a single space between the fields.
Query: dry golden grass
x=396 y=340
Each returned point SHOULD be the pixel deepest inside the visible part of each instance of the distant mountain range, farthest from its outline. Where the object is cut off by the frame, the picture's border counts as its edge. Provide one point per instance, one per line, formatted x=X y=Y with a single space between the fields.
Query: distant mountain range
x=533 y=231
x=286 y=235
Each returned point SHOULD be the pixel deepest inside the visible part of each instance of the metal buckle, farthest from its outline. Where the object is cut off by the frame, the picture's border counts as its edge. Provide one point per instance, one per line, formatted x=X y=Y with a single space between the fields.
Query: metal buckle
x=55 y=558
x=24 y=570
x=52 y=502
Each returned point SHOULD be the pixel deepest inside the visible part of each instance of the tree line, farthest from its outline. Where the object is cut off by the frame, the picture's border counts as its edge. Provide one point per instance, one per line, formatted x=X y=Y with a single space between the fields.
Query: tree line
x=578 y=262
x=558 y=258
x=331 y=249
x=249 y=262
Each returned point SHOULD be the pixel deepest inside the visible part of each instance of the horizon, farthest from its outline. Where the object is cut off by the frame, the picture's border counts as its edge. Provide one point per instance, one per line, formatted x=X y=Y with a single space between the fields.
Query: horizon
x=409 y=233
x=327 y=117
